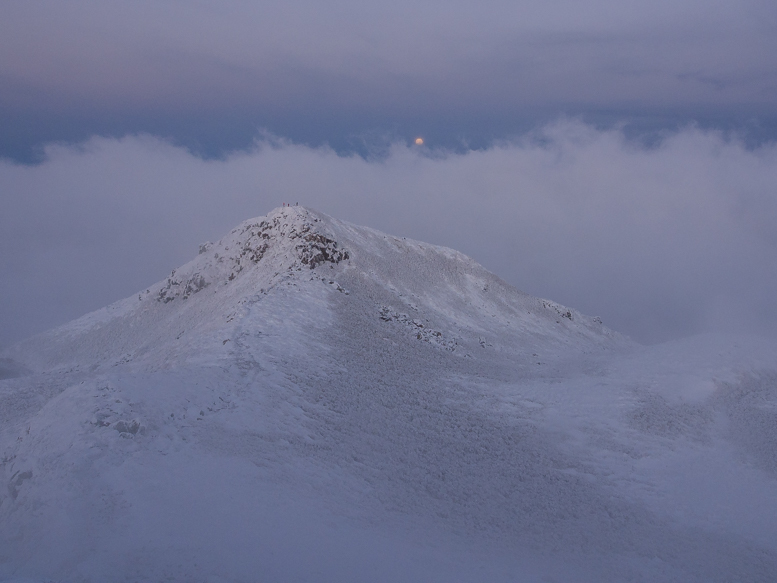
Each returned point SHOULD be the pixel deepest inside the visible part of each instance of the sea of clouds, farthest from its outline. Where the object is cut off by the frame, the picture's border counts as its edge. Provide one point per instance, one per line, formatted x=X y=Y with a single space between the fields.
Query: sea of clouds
x=661 y=241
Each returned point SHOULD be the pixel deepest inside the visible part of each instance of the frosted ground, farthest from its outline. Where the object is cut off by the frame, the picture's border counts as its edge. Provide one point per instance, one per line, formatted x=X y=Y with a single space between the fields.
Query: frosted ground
x=308 y=400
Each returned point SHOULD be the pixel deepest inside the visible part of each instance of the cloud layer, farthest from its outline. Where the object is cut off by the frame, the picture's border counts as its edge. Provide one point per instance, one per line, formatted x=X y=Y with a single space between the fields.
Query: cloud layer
x=660 y=242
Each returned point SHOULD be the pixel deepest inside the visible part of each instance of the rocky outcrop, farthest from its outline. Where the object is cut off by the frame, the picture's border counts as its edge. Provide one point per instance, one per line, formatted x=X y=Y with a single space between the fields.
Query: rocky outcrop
x=293 y=237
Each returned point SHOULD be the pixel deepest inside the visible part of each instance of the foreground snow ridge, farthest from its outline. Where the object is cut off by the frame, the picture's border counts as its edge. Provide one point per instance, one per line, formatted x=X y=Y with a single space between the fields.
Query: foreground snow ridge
x=309 y=400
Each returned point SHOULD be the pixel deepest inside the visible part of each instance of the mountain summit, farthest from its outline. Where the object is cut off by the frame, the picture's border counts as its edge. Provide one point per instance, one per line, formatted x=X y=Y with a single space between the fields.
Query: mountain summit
x=308 y=400
x=299 y=266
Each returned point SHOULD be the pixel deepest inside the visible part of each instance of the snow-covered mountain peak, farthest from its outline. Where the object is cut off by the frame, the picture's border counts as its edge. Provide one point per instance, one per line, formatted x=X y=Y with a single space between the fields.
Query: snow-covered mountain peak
x=271 y=269
x=310 y=400
x=288 y=239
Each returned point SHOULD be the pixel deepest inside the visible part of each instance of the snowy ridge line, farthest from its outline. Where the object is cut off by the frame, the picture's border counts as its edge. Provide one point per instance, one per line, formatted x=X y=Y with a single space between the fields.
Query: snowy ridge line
x=262 y=255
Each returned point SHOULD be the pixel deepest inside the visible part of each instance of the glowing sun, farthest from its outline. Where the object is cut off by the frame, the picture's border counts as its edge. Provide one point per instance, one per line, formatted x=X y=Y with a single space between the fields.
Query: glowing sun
x=419 y=141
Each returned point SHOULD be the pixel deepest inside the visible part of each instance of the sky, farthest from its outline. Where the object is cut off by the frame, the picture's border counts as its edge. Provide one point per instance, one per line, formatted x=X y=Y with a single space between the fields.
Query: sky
x=618 y=157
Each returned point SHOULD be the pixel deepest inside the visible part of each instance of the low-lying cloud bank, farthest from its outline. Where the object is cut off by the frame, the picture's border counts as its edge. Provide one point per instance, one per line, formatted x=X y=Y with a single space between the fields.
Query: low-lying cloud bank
x=660 y=242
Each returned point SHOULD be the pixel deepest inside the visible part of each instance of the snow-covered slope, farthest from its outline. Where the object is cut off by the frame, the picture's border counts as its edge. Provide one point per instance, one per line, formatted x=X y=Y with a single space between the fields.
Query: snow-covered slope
x=290 y=266
x=308 y=400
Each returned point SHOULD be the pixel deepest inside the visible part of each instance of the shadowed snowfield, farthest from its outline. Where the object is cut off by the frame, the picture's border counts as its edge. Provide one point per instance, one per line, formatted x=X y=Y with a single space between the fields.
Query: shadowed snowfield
x=308 y=400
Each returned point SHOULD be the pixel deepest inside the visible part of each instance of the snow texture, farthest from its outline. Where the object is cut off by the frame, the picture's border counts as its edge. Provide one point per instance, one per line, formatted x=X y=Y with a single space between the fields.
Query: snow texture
x=308 y=400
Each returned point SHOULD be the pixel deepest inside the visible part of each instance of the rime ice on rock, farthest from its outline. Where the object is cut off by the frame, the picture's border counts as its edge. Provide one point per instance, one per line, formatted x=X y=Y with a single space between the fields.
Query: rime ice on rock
x=417 y=329
x=293 y=234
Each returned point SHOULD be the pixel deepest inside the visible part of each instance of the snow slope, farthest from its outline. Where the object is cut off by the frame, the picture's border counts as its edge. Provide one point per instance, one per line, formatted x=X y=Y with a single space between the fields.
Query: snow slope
x=308 y=400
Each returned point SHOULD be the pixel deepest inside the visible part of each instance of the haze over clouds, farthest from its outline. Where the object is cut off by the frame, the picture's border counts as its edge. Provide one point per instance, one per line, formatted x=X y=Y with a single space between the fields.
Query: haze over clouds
x=209 y=74
x=660 y=242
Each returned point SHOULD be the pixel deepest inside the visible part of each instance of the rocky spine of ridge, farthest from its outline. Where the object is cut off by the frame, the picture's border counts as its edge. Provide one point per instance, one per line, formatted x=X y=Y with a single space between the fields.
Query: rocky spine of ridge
x=293 y=234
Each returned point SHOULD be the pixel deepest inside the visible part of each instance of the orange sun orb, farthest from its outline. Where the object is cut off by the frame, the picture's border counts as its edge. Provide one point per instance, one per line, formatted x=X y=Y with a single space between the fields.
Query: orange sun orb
x=419 y=141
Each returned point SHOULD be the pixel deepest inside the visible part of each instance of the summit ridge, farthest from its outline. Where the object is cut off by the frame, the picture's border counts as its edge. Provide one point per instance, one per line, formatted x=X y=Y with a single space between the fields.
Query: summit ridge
x=456 y=304
x=291 y=235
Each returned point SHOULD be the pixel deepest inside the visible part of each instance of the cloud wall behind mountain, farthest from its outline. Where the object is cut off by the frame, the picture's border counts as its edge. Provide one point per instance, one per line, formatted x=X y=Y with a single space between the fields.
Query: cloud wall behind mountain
x=661 y=242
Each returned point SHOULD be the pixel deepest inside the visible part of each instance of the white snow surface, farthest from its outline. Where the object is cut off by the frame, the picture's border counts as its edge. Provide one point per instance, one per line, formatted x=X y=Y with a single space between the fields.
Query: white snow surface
x=308 y=400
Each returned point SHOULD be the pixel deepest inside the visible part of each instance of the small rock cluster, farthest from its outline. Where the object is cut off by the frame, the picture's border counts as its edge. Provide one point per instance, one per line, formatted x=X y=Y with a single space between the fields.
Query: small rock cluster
x=175 y=287
x=418 y=329
x=559 y=309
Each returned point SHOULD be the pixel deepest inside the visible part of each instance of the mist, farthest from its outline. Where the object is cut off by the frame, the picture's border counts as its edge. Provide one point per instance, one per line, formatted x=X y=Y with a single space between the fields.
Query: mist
x=660 y=241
